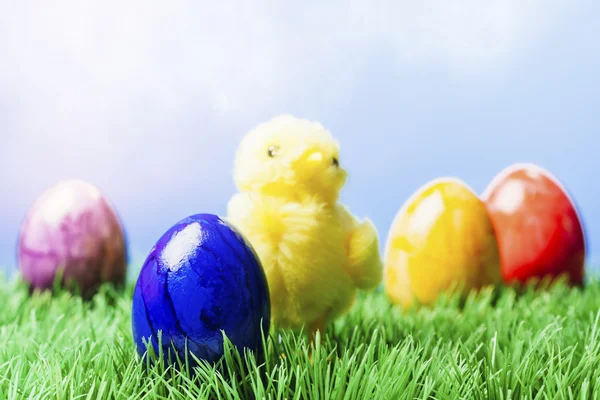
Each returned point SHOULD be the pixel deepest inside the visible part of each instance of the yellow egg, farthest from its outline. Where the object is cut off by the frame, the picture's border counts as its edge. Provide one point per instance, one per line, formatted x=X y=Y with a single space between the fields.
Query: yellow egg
x=442 y=239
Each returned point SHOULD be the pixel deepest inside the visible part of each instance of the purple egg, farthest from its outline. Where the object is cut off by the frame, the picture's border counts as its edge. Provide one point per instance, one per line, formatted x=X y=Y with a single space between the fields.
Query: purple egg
x=72 y=228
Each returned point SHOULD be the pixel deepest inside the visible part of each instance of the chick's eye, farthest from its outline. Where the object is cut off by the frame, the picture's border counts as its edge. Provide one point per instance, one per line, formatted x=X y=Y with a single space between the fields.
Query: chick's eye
x=336 y=162
x=272 y=152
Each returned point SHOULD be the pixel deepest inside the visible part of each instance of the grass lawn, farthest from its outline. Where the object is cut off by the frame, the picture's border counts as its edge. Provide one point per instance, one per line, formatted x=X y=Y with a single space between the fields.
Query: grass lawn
x=497 y=345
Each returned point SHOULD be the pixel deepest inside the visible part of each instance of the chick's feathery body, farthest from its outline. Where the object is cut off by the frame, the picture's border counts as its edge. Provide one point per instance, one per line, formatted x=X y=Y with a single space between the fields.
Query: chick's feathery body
x=314 y=252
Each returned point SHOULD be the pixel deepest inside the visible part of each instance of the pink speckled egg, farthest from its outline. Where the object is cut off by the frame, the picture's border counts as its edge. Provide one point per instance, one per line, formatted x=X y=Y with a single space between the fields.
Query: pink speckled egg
x=72 y=228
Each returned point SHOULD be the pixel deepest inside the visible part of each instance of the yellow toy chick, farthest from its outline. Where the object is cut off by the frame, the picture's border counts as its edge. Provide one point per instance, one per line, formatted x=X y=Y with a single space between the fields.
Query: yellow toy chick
x=314 y=252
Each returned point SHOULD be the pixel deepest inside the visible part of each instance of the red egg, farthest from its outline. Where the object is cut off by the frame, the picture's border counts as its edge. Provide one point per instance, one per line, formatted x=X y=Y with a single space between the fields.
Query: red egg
x=540 y=234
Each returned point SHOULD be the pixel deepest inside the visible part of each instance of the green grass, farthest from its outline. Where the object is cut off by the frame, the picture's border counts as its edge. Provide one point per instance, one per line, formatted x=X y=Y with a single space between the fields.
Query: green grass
x=497 y=345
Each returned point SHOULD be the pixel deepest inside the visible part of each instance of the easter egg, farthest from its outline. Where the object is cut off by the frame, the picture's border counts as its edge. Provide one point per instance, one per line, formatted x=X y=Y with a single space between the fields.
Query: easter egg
x=201 y=279
x=540 y=233
x=441 y=240
x=72 y=230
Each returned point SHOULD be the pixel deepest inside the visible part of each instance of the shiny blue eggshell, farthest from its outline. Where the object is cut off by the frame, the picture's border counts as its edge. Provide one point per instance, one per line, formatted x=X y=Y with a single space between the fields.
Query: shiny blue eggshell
x=202 y=277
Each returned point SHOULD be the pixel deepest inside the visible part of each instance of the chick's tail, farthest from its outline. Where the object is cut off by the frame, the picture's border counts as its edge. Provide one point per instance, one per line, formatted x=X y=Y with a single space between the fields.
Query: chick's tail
x=365 y=266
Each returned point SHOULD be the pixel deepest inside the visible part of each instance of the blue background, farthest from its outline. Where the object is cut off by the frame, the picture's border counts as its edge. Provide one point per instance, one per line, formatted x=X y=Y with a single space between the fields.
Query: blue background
x=149 y=101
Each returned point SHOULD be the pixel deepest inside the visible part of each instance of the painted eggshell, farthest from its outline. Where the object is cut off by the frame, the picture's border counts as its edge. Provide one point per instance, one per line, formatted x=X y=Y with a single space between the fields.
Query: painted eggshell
x=441 y=240
x=73 y=230
x=539 y=231
x=200 y=279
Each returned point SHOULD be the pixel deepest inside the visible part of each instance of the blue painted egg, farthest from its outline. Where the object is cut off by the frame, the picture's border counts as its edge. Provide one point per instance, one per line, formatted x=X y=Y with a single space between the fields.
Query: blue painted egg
x=201 y=278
